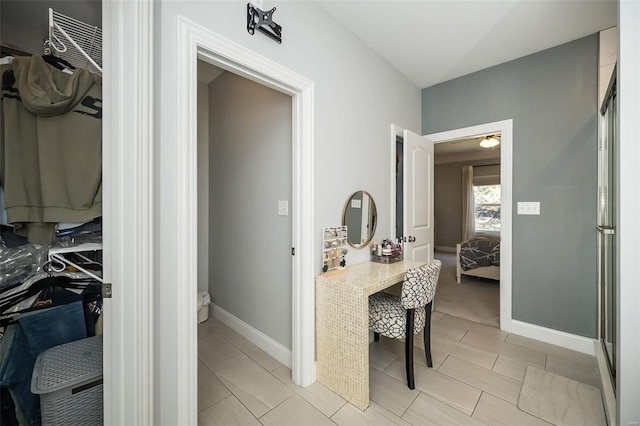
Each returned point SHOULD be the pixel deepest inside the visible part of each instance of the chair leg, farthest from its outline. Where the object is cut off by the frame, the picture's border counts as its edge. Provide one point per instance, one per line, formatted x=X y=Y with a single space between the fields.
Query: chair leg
x=376 y=336
x=408 y=349
x=427 y=334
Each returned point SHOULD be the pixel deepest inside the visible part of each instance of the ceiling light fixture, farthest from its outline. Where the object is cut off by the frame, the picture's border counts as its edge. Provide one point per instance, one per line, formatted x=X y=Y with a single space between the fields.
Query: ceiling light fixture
x=490 y=142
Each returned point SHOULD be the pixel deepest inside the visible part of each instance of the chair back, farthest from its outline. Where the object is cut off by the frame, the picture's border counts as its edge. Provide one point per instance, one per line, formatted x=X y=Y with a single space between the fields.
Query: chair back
x=419 y=286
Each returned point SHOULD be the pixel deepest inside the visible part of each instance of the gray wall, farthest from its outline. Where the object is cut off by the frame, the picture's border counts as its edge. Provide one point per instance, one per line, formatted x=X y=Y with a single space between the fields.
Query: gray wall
x=250 y=170
x=203 y=186
x=447 y=201
x=552 y=98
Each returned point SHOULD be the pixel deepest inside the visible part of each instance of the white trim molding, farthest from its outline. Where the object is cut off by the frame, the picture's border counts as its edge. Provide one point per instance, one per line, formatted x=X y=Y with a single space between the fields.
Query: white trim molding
x=196 y=42
x=258 y=338
x=128 y=215
x=505 y=128
x=554 y=337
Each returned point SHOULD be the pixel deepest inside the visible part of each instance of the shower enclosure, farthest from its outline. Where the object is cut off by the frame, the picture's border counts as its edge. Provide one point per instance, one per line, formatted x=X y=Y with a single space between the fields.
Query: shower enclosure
x=606 y=228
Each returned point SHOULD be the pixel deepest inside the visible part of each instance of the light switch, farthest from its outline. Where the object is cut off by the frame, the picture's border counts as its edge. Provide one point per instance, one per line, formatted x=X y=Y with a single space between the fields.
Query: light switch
x=529 y=207
x=283 y=208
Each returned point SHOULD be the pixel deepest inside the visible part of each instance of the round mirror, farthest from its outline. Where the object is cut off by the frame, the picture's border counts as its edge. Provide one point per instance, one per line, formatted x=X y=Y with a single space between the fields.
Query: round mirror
x=360 y=217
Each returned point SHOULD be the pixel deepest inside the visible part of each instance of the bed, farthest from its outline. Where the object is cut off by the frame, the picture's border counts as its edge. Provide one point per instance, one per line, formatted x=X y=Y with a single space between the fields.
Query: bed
x=478 y=257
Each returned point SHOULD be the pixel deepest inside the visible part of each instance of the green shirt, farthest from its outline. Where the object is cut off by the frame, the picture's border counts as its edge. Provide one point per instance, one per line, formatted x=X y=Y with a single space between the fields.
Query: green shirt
x=51 y=147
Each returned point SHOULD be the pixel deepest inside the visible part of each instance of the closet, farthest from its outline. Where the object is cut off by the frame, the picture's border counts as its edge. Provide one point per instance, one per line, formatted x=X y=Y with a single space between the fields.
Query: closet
x=51 y=289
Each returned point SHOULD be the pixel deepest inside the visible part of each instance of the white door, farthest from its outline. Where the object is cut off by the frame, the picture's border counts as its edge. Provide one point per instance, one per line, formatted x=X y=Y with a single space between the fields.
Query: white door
x=418 y=197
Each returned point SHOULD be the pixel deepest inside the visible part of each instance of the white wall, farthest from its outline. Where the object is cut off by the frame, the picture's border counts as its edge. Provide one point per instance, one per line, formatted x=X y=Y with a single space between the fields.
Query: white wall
x=357 y=97
x=628 y=387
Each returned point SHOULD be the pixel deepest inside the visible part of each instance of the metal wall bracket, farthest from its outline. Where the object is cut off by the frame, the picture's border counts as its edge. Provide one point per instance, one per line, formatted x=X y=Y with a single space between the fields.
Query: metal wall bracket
x=263 y=21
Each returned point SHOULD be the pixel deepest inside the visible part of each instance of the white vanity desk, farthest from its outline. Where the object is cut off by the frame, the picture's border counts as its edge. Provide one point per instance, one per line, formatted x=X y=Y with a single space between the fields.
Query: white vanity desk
x=342 y=325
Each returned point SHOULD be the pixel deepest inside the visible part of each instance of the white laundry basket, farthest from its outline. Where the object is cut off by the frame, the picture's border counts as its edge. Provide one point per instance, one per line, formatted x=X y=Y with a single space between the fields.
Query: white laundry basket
x=204 y=300
x=68 y=379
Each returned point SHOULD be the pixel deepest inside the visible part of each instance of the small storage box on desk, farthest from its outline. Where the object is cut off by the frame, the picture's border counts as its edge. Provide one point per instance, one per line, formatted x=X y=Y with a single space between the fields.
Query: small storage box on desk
x=334 y=250
x=386 y=251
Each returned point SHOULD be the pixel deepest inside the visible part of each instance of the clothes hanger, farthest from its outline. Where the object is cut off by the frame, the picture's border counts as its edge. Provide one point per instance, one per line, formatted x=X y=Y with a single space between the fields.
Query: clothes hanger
x=89 y=289
x=35 y=288
x=59 y=63
x=52 y=60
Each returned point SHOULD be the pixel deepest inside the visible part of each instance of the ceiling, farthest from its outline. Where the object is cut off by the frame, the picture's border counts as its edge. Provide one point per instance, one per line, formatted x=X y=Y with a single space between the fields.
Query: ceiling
x=429 y=41
x=432 y=41
x=464 y=150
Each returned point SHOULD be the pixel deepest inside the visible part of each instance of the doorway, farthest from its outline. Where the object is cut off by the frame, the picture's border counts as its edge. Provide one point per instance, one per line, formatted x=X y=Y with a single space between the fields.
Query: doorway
x=467 y=211
x=505 y=129
x=244 y=175
x=195 y=42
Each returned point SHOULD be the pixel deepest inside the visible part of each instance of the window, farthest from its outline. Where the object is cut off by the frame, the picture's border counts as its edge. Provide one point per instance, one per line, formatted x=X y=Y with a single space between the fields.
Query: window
x=487 y=208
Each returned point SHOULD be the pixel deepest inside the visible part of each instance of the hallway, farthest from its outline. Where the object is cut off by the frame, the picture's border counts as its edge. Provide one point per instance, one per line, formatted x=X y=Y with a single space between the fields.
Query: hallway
x=475 y=380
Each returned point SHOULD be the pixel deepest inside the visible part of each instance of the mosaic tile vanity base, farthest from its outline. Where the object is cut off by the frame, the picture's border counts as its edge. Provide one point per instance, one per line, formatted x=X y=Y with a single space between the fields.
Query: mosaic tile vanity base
x=342 y=326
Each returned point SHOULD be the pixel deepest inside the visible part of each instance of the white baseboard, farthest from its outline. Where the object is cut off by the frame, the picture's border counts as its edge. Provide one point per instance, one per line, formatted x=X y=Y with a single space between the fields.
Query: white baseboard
x=258 y=338
x=608 y=394
x=445 y=249
x=548 y=335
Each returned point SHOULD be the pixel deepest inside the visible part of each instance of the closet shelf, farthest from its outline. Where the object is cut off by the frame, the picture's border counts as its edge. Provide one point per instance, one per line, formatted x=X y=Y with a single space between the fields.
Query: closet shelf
x=57 y=255
x=75 y=41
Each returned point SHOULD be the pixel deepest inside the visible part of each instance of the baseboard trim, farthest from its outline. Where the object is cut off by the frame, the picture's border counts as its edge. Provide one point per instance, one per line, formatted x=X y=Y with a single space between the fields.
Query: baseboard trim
x=608 y=393
x=258 y=338
x=548 y=335
x=445 y=249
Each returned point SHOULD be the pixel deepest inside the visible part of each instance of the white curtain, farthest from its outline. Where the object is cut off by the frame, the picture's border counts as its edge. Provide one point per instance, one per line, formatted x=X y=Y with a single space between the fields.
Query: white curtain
x=468 y=204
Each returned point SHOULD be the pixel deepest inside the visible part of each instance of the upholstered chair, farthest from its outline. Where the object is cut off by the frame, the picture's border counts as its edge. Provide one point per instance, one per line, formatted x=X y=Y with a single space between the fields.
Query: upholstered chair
x=394 y=316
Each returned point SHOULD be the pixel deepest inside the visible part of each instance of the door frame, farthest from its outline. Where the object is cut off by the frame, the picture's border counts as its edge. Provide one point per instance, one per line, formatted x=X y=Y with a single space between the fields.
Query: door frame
x=196 y=42
x=505 y=128
x=129 y=216
x=128 y=213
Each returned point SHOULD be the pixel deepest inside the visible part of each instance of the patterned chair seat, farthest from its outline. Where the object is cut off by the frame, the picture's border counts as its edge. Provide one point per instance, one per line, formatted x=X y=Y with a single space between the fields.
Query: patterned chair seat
x=388 y=317
x=394 y=317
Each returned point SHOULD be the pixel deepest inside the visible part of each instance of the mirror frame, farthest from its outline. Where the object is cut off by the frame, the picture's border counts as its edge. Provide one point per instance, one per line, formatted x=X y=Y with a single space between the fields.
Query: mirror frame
x=374 y=208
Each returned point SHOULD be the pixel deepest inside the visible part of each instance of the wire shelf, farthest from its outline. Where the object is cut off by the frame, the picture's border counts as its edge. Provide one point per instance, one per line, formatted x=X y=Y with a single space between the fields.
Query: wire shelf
x=75 y=41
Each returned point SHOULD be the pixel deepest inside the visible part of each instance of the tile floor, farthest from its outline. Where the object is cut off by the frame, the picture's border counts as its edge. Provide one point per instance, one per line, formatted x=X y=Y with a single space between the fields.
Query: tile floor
x=475 y=380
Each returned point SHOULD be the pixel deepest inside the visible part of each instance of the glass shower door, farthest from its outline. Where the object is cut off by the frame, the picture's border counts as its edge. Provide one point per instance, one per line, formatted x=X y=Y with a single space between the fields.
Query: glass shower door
x=607 y=214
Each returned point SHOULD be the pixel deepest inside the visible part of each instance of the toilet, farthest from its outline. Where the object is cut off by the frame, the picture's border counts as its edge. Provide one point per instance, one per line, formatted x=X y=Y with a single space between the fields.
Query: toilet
x=204 y=300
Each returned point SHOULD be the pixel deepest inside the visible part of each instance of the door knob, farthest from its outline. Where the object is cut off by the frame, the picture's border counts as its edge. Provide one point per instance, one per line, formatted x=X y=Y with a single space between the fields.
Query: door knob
x=412 y=239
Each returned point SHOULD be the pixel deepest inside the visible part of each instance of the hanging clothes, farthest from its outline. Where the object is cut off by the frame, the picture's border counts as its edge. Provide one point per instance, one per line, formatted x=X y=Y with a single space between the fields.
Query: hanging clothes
x=51 y=152
x=32 y=334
